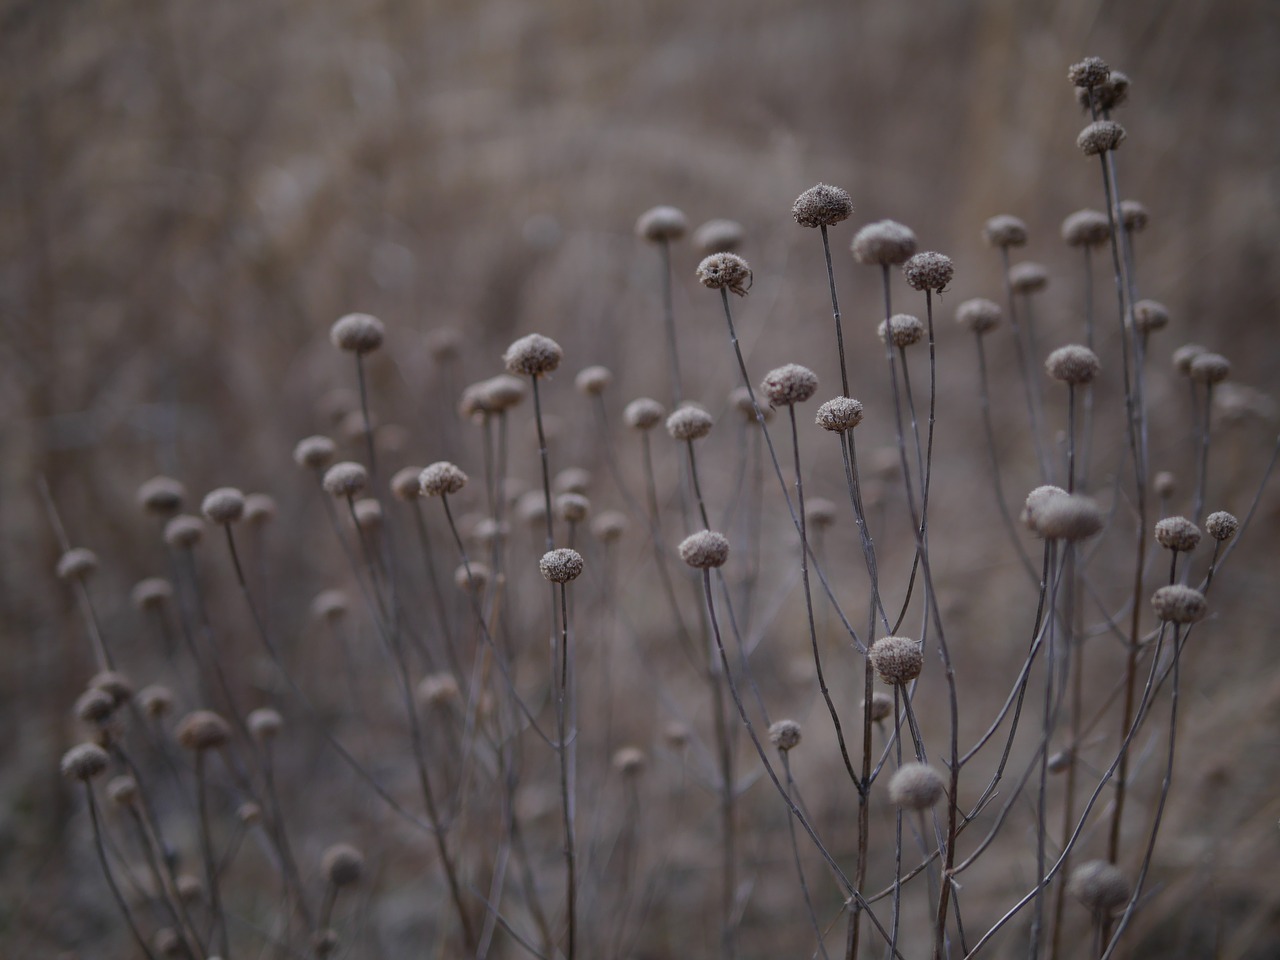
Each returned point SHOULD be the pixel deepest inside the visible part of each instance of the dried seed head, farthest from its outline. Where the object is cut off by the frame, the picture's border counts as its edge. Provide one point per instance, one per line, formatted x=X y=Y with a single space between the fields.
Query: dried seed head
x=572 y=507
x=532 y=508
x=725 y=271
x=661 y=225
x=1179 y=604
x=1004 y=230
x=122 y=790
x=224 y=505
x=1069 y=517
x=1148 y=316
x=740 y=400
x=1107 y=95
x=903 y=328
x=1165 y=484
x=881 y=706
x=1037 y=500
x=438 y=689
x=1058 y=762
x=643 y=414
x=1089 y=72
x=897 y=659
x=405 y=485
x=979 y=315
x=629 y=761
x=329 y=605
x=474 y=403
x=162 y=496
x=346 y=479
x=78 y=563
x=1221 y=525
x=155 y=700
x=1185 y=355
x=784 y=734
x=789 y=384
x=259 y=508
x=1134 y=216
x=1086 y=228
x=533 y=356
x=1028 y=277
x=94 y=706
x=820 y=513
x=572 y=480
x=472 y=577
x=357 y=333
x=264 y=724
x=368 y=513
x=442 y=478
x=202 y=730
x=1177 y=533
x=839 y=414
x=167 y=942
x=609 y=526
x=916 y=786
x=676 y=734
x=114 y=684
x=153 y=592
x=561 y=566
x=886 y=243
x=189 y=887
x=1100 y=886
x=705 y=549
x=593 y=380
x=84 y=761
x=248 y=813
x=342 y=864
x=488 y=531
x=314 y=453
x=1209 y=368
x=718 y=236
x=1074 y=364
x=443 y=343
x=929 y=271
x=1099 y=137
x=822 y=206
x=689 y=422
x=504 y=391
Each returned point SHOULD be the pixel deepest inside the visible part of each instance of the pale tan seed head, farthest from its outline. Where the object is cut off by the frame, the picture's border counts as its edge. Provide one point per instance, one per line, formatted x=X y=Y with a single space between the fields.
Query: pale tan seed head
x=572 y=480
x=259 y=508
x=1134 y=216
x=438 y=689
x=264 y=724
x=725 y=271
x=156 y=700
x=347 y=479
x=1069 y=517
x=162 y=496
x=224 y=505
x=1099 y=137
x=1150 y=316
x=357 y=333
x=113 y=683
x=689 y=422
x=896 y=660
x=1100 y=886
x=822 y=205
x=740 y=400
x=820 y=513
x=1221 y=525
x=151 y=593
x=593 y=381
x=503 y=392
x=1004 y=231
x=881 y=706
x=1209 y=369
x=1179 y=604
x=1086 y=228
x=718 y=236
x=78 y=563
x=644 y=414
x=930 y=271
x=979 y=315
x=1165 y=484
x=472 y=577
x=572 y=507
x=342 y=865
x=1074 y=364
x=785 y=735
x=314 y=453
x=122 y=790
x=533 y=356
x=1177 y=533
x=1089 y=72
x=789 y=384
x=629 y=761
x=94 y=706
x=368 y=513
x=661 y=224
x=1028 y=277
x=705 y=549
x=406 y=485
x=202 y=730
x=84 y=761
x=561 y=566
x=884 y=243
x=609 y=526
x=330 y=605
x=1185 y=355
x=839 y=414
x=443 y=344
x=916 y=786
x=441 y=479
x=1036 y=501
x=902 y=329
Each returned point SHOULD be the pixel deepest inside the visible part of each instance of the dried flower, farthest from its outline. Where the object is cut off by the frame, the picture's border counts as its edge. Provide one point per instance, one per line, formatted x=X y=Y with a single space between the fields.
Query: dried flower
x=661 y=225
x=1100 y=886
x=740 y=399
x=346 y=479
x=718 y=236
x=438 y=689
x=329 y=605
x=1134 y=216
x=839 y=414
x=593 y=380
x=885 y=243
x=572 y=480
x=368 y=513
x=881 y=706
x=789 y=384
x=644 y=414
x=903 y=329
x=1179 y=604
x=725 y=271
x=629 y=761
x=705 y=549
x=155 y=700
x=822 y=205
x=896 y=660
x=1073 y=364
x=264 y=724
x=342 y=864
x=94 y=706
x=405 y=484
x=259 y=508
x=113 y=683
x=572 y=507
x=1209 y=368
x=122 y=790
x=533 y=356
x=503 y=392
x=1148 y=316
x=979 y=315
x=1221 y=525
x=1107 y=95
x=357 y=333
x=1184 y=355
x=1089 y=72
x=820 y=513
x=1099 y=137
x=1028 y=277
x=1069 y=517
x=561 y=566
x=78 y=563
x=916 y=786
x=162 y=496
x=442 y=478
x=224 y=505
x=202 y=730
x=784 y=734
x=472 y=577
x=1165 y=484
x=1005 y=231
x=1086 y=228
x=1177 y=533
x=314 y=453
x=928 y=271
x=84 y=761
x=609 y=526
x=443 y=343
x=689 y=422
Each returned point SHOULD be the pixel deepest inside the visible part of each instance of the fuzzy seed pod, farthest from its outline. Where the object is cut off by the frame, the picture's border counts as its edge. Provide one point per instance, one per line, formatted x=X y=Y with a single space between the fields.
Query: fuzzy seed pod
x=154 y=592
x=689 y=422
x=561 y=566
x=1149 y=316
x=472 y=577
x=113 y=683
x=884 y=243
x=84 y=761
x=346 y=479
x=438 y=689
x=264 y=724
x=1185 y=355
x=573 y=507
x=442 y=478
x=820 y=513
x=784 y=734
x=314 y=453
x=94 y=706
x=406 y=485
x=488 y=531
x=259 y=508
x=1107 y=95
x=572 y=480
x=156 y=701
x=531 y=508
x=329 y=605
x=1086 y=228
x=881 y=706
x=1221 y=525
x=903 y=328
x=789 y=384
x=643 y=414
x=1134 y=216
x=979 y=315
x=1058 y=762
x=593 y=381
x=1100 y=886
x=916 y=786
x=1074 y=364
x=839 y=414
x=676 y=734
x=725 y=271
x=224 y=505
x=474 y=404
x=928 y=271
x=1179 y=604
x=1209 y=368
x=661 y=225
x=1004 y=231
x=718 y=236
x=78 y=563
x=896 y=659
x=822 y=206
x=1028 y=277
x=705 y=549
x=357 y=333
x=1177 y=533
x=443 y=343
x=189 y=888
x=629 y=761
x=368 y=513
x=1069 y=517
x=248 y=813
x=740 y=400
x=342 y=865
x=1089 y=72
x=609 y=526
x=202 y=730
x=1099 y=137
x=533 y=356
x=1165 y=484
x=162 y=496
x=504 y=391
x=122 y=790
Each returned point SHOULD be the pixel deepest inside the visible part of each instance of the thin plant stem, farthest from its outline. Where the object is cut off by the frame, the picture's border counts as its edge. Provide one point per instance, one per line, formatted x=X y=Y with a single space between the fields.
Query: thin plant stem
x=795 y=852
x=1024 y=370
x=210 y=861
x=561 y=671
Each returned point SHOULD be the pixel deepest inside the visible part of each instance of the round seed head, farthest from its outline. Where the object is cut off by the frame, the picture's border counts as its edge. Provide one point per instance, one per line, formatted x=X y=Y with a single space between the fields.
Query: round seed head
x=789 y=384
x=472 y=577
x=532 y=508
x=643 y=414
x=561 y=566
x=224 y=505
x=718 y=236
x=94 y=706
x=822 y=206
x=1185 y=355
x=1221 y=525
x=259 y=508
x=342 y=864
x=705 y=549
x=572 y=507
x=689 y=422
x=488 y=531
x=1028 y=277
x=592 y=381
x=572 y=480
x=1134 y=216
x=189 y=887
x=154 y=592
x=443 y=343
x=928 y=271
x=609 y=526
x=784 y=734
x=155 y=700
x=1166 y=485
x=405 y=485
x=1086 y=228
x=533 y=356
x=504 y=391
x=114 y=684
x=78 y=563
x=740 y=400
x=1069 y=517
x=346 y=479
x=1107 y=95
x=881 y=706
x=368 y=513
x=1099 y=137
x=357 y=333
x=1058 y=762
x=438 y=689
x=1177 y=533
x=1074 y=364
x=676 y=734
x=1179 y=604
x=84 y=761
x=629 y=761
x=474 y=404
x=916 y=786
x=820 y=513
x=314 y=453
x=202 y=730
x=167 y=942
x=979 y=315
x=442 y=478
x=661 y=225
x=329 y=605
x=1148 y=316
x=725 y=271
x=1004 y=230
x=839 y=414
x=903 y=329
x=896 y=660
x=264 y=724
x=1100 y=886
x=122 y=790
x=1037 y=500
x=886 y=243
x=248 y=813
x=1089 y=72
x=162 y=496
x=1209 y=368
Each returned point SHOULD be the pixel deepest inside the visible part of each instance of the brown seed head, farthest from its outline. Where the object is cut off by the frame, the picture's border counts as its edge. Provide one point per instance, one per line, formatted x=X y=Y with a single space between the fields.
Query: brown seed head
x=1100 y=886
x=1028 y=277
x=1037 y=500
x=789 y=384
x=259 y=508
x=1086 y=228
x=884 y=243
x=572 y=480
x=504 y=391
x=167 y=942
x=94 y=706
x=740 y=400
x=314 y=453
x=1074 y=364
x=718 y=236
x=1099 y=137
x=357 y=333
x=162 y=496
x=150 y=593
x=1107 y=95
x=705 y=549
x=342 y=864
x=661 y=225
x=202 y=730
x=561 y=566
x=248 y=813
x=1149 y=316
x=643 y=414
x=122 y=790
x=572 y=507
x=1184 y=355
x=1165 y=484
x=84 y=761
x=1070 y=517
x=820 y=513
x=979 y=315
x=533 y=356
x=1179 y=604
x=368 y=513
x=593 y=381
x=189 y=887
x=1177 y=533
x=903 y=329
x=1089 y=72
x=472 y=577
x=689 y=422
x=822 y=206
x=329 y=605
x=78 y=563
x=405 y=485
x=155 y=700
x=346 y=479
x=916 y=786
x=442 y=478
x=881 y=706
x=676 y=734
x=725 y=271
x=264 y=724
x=929 y=271
x=609 y=526
x=113 y=683
x=1209 y=368
x=1221 y=525
x=443 y=343
x=1134 y=216
x=1004 y=230
x=629 y=761
x=897 y=660
x=839 y=414
x=784 y=734
x=224 y=505
x=438 y=689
